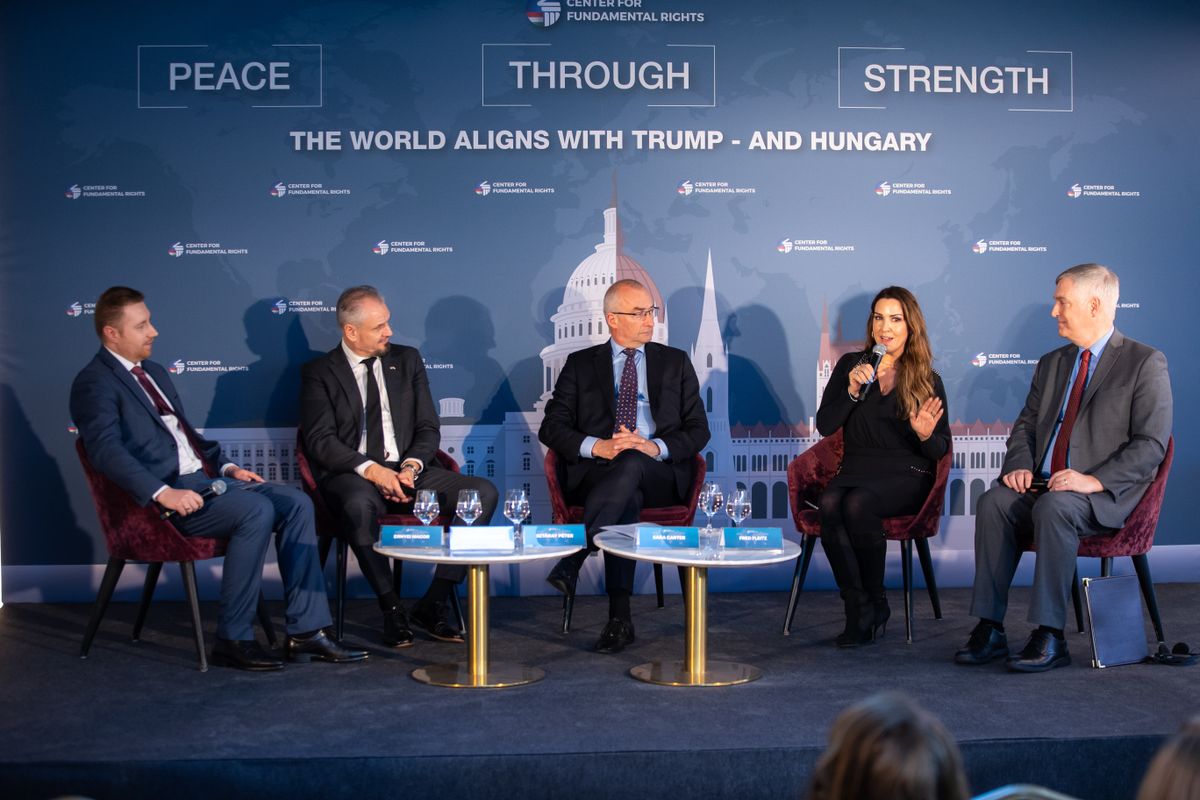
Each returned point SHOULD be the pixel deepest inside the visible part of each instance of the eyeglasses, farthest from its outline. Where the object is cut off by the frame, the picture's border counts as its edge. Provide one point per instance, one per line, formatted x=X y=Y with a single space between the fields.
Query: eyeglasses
x=644 y=313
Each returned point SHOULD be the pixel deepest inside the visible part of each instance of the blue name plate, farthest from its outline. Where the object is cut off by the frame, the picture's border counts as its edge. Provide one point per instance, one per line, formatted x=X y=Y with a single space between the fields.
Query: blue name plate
x=652 y=536
x=410 y=536
x=753 y=538
x=555 y=536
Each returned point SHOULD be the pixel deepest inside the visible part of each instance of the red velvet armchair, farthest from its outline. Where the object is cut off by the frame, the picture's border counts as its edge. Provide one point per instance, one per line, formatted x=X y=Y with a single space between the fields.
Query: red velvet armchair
x=564 y=514
x=809 y=474
x=137 y=533
x=328 y=531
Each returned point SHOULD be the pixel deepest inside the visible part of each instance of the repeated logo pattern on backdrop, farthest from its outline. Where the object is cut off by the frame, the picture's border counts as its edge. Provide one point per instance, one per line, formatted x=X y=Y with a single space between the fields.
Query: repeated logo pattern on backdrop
x=764 y=169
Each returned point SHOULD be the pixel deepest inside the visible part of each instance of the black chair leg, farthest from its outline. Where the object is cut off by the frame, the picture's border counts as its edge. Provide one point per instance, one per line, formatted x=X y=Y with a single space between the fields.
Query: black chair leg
x=339 y=601
x=930 y=581
x=108 y=583
x=1077 y=600
x=906 y=571
x=807 y=545
x=152 y=572
x=188 y=570
x=1105 y=567
x=323 y=544
x=398 y=577
x=1141 y=565
x=264 y=619
x=658 y=583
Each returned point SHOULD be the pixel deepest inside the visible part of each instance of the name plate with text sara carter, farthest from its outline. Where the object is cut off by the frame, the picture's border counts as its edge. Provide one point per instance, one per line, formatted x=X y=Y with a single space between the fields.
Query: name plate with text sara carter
x=653 y=536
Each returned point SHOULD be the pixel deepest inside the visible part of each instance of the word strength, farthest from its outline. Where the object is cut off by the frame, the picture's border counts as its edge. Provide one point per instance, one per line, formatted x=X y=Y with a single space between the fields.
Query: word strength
x=583 y=139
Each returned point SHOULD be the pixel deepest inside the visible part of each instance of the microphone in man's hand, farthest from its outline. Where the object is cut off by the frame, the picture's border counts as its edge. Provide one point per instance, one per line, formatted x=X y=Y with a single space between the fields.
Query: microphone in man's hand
x=877 y=354
x=215 y=488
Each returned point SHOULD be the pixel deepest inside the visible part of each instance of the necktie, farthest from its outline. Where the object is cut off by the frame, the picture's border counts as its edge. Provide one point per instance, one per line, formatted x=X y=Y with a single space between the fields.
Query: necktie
x=164 y=410
x=1058 y=459
x=627 y=393
x=374 y=410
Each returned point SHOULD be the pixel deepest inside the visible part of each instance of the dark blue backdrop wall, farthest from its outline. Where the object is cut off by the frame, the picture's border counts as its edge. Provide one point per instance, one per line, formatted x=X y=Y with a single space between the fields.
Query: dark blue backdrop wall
x=242 y=163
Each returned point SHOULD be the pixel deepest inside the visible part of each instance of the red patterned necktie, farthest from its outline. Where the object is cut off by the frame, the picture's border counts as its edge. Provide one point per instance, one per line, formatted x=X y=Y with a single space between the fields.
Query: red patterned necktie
x=1058 y=459
x=627 y=393
x=164 y=410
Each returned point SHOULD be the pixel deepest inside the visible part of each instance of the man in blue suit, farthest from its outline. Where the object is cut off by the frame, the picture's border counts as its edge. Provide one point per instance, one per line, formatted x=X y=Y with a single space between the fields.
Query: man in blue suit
x=133 y=427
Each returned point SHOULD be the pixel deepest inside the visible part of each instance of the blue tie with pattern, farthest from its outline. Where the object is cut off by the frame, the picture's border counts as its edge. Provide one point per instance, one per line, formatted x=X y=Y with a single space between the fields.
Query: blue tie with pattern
x=627 y=393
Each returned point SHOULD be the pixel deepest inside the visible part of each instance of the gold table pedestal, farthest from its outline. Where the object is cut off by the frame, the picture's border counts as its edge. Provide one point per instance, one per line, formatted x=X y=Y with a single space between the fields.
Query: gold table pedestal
x=696 y=669
x=477 y=673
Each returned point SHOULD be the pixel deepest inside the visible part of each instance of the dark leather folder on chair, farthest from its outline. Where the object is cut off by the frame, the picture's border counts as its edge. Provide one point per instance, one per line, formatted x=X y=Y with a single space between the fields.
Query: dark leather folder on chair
x=1114 y=611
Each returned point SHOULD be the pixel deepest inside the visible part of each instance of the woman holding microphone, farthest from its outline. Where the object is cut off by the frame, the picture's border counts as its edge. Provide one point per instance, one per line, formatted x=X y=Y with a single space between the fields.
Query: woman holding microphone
x=891 y=408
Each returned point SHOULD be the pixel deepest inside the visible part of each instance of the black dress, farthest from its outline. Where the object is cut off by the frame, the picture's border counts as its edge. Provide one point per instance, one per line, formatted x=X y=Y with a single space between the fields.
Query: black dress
x=882 y=452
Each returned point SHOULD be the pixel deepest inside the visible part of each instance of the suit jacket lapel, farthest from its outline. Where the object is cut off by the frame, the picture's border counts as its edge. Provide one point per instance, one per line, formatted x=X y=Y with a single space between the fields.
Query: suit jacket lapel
x=126 y=377
x=654 y=378
x=1108 y=359
x=393 y=385
x=1062 y=373
x=345 y=377
x=603 y=361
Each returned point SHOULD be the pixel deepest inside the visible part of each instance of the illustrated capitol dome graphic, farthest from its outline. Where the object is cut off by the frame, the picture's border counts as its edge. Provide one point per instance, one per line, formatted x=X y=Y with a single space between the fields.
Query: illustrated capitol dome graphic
x=579 y=321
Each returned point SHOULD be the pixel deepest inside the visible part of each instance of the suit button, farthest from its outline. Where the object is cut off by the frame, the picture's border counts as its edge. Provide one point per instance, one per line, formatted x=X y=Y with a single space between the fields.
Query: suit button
x=174 y=446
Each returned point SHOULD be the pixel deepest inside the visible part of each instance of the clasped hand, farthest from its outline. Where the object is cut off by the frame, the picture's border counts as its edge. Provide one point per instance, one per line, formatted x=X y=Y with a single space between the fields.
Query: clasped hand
x=394 y=486
x=1065 y=480
x=624 y=439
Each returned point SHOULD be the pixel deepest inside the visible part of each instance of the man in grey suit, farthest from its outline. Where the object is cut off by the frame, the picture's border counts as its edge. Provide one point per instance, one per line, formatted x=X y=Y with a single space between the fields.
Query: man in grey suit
x=1082 y=452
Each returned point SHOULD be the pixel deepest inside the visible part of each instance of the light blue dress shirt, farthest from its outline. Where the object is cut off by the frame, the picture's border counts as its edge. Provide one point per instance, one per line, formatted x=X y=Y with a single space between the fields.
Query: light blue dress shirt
x=1097 y=348
x=645 y=422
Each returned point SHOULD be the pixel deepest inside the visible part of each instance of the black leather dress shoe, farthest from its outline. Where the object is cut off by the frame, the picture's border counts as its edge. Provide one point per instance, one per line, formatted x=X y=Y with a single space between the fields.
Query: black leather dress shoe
x=319 y=647
x=247 y=655
x=564 y=576
x=1044 y=651
x=396 y=632
x=431 y=618
x=617 y=634
x=987 y=643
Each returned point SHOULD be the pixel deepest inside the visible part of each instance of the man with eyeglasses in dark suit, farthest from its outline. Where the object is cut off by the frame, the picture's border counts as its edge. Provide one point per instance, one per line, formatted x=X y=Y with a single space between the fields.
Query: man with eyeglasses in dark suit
x=627 y=421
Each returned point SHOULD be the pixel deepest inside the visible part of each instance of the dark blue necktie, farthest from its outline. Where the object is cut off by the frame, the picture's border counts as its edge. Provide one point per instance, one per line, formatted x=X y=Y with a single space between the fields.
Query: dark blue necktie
x=627 y=393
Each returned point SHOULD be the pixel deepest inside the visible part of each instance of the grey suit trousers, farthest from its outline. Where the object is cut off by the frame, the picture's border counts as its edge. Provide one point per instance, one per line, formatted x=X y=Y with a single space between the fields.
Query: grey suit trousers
x=1058 y=521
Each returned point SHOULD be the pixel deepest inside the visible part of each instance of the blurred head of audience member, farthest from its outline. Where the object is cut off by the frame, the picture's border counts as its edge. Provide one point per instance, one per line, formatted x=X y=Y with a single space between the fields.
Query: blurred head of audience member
x=886 y=748
x=1174 y=774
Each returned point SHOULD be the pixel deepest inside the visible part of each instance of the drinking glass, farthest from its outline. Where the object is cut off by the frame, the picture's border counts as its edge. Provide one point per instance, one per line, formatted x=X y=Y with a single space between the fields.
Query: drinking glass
x=426 y=507
x=737 y=505
x=711 y=501
x=516 y=510
x=469 y=508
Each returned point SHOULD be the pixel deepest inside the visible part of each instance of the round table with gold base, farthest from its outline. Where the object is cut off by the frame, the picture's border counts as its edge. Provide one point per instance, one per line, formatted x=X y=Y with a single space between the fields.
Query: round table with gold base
x=695 y=669
x=478 y=672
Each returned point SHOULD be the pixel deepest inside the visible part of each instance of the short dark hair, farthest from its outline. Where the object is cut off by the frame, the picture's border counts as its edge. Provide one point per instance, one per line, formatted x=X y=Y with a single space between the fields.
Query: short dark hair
x=350 y=300
x=111 y=306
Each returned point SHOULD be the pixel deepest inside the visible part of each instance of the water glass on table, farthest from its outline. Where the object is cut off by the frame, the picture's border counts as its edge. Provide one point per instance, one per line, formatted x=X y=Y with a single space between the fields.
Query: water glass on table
x=711 y=501
x=516 y=510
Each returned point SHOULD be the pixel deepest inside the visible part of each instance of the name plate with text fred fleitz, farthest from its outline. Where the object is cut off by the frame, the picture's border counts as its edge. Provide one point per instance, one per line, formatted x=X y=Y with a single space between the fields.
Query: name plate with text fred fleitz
x=410 y=536
x=753 y=538
x=651 y=536
x=554 y=535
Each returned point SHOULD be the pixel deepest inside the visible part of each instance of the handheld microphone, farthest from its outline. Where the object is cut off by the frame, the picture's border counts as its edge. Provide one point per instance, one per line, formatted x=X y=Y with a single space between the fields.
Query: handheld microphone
x=214 y=489
x=877 y=353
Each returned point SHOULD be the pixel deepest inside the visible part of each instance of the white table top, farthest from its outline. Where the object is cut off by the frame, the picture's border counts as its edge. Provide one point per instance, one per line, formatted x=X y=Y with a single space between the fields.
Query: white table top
x=435 y=555
x=620 y=545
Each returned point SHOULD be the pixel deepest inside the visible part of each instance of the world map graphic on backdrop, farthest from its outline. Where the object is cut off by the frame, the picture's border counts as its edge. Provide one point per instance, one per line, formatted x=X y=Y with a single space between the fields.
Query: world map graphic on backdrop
x=773 y=168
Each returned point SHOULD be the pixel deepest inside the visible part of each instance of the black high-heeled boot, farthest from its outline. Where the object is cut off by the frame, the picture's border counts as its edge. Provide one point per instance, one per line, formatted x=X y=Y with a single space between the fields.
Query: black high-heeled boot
x=860 y=623
x=883 y=612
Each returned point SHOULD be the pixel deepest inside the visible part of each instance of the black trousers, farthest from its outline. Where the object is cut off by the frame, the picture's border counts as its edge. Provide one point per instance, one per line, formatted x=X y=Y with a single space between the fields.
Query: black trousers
x=358 y=505
x=614 y=493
